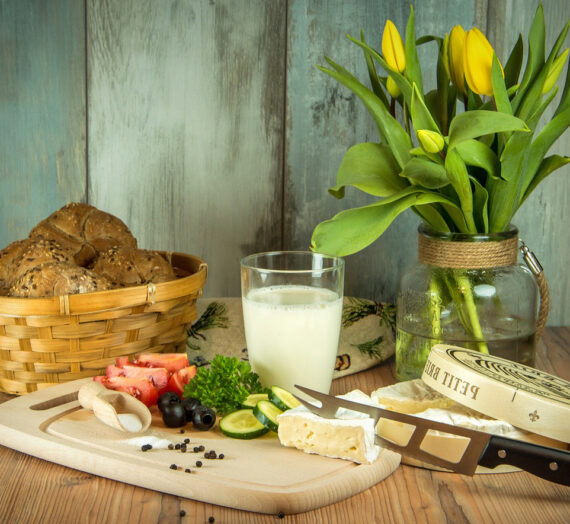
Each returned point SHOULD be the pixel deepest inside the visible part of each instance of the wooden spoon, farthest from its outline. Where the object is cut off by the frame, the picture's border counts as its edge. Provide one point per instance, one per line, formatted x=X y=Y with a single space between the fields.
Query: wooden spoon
x=115 y=408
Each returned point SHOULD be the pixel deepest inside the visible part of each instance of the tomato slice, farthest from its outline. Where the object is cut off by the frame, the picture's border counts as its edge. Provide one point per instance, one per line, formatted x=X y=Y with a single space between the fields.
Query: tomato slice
x=121 y=361
x=179 y=379
x=140 y=388
x=158 y=376
x=114 y=371
x=173 y=362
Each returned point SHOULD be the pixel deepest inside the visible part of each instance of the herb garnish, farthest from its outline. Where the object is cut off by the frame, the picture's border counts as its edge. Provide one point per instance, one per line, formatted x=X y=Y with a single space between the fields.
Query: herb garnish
x=224 y=385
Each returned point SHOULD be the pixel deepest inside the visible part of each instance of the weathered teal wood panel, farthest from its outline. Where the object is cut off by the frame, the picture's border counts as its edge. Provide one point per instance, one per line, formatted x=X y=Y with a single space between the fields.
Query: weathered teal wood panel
x=42 y=111
x=185 y=125
x=325 y=119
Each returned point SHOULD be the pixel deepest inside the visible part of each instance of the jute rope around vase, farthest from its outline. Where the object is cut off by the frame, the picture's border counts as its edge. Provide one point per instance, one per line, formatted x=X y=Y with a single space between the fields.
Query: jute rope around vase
x=479 y=255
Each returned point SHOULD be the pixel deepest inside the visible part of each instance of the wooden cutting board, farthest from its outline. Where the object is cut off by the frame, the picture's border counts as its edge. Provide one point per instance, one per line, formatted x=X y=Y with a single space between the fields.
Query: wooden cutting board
x=256 y=475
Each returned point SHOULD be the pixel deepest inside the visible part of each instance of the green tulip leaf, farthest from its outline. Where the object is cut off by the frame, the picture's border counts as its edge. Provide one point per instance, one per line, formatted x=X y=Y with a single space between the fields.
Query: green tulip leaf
x=565 y=98
x=532 y=121
x=547 y=166
x=430 y=214
x=499 y=88
x=459 y=178
x=424 y=172
x=513 y=154
x=373 y=75
x=503 y=200
x=533 y=95
x=480 y=200
x=542 y=143
x=426 y=39
x=354 y=229
x=371 y=168
x=514 y=63
x=397 y=138
x=536 y=53
x=421 y=117
x=473 y=124
x=413 y=69
x=476 y=153
x=474 y=101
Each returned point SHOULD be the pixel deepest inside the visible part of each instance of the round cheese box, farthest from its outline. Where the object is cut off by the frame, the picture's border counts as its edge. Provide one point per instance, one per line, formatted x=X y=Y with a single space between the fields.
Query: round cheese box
x=525 y=397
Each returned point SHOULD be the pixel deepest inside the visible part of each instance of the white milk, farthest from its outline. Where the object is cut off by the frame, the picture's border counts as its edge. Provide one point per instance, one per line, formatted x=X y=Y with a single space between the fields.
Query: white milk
x=292 y=335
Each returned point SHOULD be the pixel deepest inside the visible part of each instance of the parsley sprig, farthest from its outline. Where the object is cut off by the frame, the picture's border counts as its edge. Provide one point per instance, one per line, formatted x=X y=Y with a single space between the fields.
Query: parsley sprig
x=224 y=385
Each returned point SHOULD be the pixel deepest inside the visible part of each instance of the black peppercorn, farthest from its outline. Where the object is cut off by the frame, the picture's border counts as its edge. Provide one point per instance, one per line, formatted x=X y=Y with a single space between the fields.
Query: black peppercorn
x=198 y=463
x=173 y=466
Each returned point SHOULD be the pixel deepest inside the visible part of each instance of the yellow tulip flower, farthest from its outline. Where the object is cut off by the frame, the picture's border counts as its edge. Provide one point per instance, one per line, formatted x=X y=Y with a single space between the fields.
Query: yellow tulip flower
x=477 y=61
x=431 y=141
x=456 y=46
x=393 y=88
x=393 y=48
x=554 y=72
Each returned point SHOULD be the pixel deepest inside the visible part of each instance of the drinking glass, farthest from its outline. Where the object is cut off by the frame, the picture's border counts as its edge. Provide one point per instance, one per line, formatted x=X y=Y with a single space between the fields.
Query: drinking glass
x=292 y=310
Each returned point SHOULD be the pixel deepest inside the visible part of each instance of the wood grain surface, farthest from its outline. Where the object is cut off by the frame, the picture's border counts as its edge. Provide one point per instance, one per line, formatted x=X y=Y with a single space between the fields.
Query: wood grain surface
x=208 y=129
x=37 y=491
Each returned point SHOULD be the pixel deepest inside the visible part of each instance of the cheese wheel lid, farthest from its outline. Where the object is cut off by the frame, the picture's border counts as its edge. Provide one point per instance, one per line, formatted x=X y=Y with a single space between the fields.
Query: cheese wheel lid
x=525 y=397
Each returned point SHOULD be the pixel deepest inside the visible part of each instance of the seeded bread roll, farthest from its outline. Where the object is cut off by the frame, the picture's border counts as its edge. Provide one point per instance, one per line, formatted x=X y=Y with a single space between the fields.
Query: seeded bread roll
x=58 y=278
x=125 y=266
x=39 y=251
x=85 y=230
x=8 y=256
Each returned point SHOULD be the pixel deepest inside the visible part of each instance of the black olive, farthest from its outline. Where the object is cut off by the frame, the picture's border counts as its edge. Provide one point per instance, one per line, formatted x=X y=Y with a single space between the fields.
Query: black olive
x=190 y=404
x=167 y=399
x=204 y=418
x=173 y=415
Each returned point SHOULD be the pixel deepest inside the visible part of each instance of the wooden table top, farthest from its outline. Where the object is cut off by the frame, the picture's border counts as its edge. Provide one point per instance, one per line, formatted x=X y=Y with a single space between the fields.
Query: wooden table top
x=33 y=490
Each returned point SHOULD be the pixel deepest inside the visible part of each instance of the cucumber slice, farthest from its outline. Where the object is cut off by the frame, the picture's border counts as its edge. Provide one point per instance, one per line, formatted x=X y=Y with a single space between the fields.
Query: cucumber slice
x=253 y=399
x=242 y=424
x=282 y=398
x=266 y=412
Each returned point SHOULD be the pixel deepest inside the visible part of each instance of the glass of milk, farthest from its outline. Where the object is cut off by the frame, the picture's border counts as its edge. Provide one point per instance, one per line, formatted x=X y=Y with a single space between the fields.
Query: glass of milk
x=292 y=309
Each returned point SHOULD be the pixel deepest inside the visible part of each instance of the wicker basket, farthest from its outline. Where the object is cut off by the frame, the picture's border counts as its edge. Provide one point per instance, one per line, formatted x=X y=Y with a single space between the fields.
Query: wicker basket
x=47 y=341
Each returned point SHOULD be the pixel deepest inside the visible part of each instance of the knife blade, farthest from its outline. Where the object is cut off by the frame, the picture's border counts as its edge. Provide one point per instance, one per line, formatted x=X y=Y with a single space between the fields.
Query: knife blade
x=481 y=449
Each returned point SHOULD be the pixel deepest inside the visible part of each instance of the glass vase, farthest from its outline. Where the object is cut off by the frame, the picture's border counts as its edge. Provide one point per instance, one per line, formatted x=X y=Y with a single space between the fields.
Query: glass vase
x=469 y=291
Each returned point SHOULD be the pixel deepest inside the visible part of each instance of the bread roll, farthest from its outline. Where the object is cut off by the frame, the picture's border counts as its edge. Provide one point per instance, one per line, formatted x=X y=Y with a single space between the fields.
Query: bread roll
x=85 y=230
x=58 y=278
x=125 y=266
x=8 y=256
x=39 y=251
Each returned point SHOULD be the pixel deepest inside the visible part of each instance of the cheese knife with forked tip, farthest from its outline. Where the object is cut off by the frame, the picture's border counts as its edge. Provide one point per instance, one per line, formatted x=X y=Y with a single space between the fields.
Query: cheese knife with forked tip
x=480 y=449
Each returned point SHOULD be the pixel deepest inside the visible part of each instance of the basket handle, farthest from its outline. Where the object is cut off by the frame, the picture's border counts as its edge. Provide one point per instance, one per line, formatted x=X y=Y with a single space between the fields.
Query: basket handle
x=534 y=265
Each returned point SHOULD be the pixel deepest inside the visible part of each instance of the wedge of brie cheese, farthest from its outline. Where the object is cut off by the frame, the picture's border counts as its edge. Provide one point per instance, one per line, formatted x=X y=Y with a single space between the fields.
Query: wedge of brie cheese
x=350 y=436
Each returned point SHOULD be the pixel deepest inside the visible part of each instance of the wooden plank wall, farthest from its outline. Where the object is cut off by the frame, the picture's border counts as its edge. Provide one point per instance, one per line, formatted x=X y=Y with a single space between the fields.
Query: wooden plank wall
x=208 y=129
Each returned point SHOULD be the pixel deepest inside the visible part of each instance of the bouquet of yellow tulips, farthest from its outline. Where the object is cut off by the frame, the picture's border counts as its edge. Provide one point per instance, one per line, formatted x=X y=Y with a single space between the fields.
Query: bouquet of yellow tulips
x=464 y=156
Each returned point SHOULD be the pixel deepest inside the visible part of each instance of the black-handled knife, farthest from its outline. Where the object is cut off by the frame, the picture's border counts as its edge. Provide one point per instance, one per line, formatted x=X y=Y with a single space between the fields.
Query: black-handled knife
x=481 y=449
